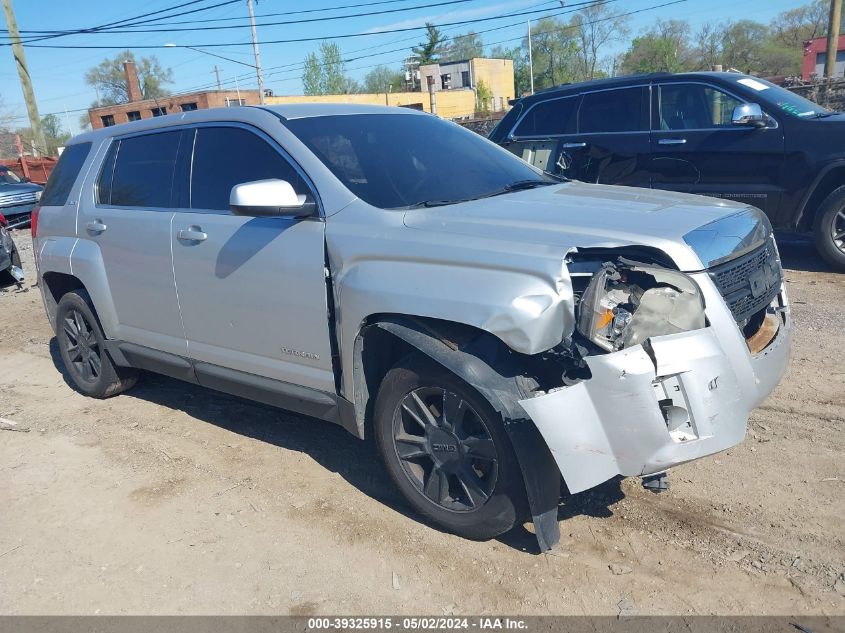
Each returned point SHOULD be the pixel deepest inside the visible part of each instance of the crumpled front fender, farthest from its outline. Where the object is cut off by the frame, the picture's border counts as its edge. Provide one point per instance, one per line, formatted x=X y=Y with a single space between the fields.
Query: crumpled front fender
x=640 y=414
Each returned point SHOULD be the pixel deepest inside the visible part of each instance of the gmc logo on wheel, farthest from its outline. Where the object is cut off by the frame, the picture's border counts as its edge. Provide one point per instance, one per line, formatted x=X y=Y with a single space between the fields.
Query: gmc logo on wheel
x=444 y=448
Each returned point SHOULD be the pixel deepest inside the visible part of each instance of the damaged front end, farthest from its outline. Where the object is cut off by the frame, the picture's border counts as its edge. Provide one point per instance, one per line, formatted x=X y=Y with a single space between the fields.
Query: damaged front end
x=673 y=373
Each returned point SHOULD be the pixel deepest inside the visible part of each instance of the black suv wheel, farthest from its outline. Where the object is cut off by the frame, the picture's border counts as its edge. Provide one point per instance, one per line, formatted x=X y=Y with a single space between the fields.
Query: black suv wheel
x=82 y=347
x=829 y=229
x=446 y=450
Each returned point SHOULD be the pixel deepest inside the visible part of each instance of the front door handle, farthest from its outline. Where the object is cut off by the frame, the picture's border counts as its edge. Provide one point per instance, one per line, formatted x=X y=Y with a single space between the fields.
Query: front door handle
x=96 y=226
x=192 y=234
x=574 y=145
x=672 y=141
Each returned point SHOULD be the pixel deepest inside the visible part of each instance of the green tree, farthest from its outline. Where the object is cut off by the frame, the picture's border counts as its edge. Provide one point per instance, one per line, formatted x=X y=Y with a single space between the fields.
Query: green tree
x=792 y=28
x=324 y=74
x=109 y=79
x=554 y=46
x=463 y=47
x=54 y=134
x=429 y=52
x=383 y=79
x=483 y=95
x=664 y=47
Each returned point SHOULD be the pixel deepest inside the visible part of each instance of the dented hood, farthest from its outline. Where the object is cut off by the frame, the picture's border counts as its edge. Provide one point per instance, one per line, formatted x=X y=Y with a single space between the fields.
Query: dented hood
x=579 y=215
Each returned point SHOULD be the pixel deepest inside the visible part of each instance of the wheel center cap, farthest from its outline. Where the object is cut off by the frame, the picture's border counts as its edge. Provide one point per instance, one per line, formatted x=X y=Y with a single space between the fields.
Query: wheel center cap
x=445 y=447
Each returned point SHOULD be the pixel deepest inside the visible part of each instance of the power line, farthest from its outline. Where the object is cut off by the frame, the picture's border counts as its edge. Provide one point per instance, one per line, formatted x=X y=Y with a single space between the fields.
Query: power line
x=120 y=23
x=302 y=39
x=285 y=22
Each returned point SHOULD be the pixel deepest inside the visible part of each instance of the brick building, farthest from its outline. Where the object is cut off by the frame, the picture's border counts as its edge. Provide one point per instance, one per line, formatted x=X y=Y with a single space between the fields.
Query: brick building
x=139 y=108
x=815 y=55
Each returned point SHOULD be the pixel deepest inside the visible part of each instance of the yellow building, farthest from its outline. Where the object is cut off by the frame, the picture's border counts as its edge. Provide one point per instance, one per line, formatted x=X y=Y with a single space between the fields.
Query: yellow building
x=457 y=104
x=455 y=87
x=495 y=74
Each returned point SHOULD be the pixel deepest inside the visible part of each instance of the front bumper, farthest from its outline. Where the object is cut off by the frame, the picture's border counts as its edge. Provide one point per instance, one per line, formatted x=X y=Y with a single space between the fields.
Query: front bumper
x=18 y=215
x=639 y=414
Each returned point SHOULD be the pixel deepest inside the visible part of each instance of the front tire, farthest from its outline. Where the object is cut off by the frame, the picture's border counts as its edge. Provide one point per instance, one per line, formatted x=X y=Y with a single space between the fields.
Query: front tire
x=829 y=229
x=447 y=451
x=82 y=348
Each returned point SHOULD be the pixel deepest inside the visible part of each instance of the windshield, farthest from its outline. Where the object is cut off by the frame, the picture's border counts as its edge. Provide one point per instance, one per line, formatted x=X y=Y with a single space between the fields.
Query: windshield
x=8 y=178
x=784 y=100
x=401 y=160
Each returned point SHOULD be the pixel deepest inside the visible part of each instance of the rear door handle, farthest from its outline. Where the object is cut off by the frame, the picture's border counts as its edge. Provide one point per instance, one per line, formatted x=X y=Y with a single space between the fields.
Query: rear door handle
x=192 y=234
x=574 y=145
x=96 y=226
x=671 y=141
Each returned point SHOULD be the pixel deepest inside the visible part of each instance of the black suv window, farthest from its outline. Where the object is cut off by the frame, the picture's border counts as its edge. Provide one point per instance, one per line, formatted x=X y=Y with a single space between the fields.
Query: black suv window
x=619 y=110
x=555 y=116
x=228 y=156
x=61 y=181
x=142 y=173
x=694 y=107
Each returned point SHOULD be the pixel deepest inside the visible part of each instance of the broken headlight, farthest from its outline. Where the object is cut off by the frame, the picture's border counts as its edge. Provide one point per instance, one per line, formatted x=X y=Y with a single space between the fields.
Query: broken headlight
x=627 y=303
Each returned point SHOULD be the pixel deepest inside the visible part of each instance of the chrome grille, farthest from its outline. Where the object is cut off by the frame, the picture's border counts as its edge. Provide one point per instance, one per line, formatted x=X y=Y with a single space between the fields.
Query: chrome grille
x=749 y=283
x=11 y=200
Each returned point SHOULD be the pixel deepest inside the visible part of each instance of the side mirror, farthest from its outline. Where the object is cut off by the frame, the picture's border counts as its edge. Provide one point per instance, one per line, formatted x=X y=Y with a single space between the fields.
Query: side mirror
x=749 y=114
x=270 y=198
x=25 y=179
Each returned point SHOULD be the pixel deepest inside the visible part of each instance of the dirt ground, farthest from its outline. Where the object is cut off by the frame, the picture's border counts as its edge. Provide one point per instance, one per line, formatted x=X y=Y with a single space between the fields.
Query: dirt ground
x=173 y=499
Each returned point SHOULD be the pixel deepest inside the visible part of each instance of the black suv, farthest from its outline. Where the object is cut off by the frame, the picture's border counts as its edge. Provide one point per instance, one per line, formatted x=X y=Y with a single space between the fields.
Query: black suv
x=722 y=134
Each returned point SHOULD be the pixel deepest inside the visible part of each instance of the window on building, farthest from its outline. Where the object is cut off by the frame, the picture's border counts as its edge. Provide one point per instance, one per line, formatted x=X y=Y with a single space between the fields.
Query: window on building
x=228 y=156
x=107 y=119
x=446 y=81
x=556 y=116
x=465 y=83
x=234 y=102
x=133 y=116
x=159 y=111
x=619 y=110
x=695 y=107
x=143 y=171
x=187 y=107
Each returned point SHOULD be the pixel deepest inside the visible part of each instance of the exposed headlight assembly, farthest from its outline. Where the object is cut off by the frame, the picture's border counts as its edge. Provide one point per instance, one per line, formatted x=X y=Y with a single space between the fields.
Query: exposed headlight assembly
x=627 y=303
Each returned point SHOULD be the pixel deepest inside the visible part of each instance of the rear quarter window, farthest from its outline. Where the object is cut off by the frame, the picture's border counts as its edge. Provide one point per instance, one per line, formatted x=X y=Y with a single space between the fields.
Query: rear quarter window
x=64 y=175
x=556 y=116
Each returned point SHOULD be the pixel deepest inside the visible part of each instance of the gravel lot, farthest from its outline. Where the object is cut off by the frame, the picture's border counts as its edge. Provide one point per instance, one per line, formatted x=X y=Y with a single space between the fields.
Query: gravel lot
x=175 y=499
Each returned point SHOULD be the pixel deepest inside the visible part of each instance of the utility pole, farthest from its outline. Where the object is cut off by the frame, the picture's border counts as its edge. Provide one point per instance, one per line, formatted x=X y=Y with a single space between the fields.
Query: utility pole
x=833 y=38
x=257 y=54
x=530 y=58
x=217 y=72
x=23 y=73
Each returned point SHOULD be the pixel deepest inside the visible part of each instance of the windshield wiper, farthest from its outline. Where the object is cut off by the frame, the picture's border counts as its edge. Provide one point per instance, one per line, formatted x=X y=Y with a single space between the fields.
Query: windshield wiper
x=519 y=185
x=824 y=115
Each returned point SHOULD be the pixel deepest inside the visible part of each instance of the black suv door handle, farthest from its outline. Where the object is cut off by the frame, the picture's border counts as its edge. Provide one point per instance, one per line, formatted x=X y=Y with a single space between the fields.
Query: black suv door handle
x=96 y=226
x=672 y=141
x=574 y=145
x=192 y=234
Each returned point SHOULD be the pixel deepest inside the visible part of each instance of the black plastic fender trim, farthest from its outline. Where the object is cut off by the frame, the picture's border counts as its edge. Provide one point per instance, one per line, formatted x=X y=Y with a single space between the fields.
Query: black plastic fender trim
x=481 y=364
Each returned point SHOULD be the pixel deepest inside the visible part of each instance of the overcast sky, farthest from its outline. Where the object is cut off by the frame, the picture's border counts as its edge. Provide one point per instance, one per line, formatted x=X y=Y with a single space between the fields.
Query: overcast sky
x=58 y=75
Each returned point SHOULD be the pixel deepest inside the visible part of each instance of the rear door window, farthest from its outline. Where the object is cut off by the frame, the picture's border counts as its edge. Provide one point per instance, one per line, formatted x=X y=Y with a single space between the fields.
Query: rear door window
x=547 y=118
x=61 y=181
x=229 y=156
x=620 y=110
x=695 y=107
x=144 y=171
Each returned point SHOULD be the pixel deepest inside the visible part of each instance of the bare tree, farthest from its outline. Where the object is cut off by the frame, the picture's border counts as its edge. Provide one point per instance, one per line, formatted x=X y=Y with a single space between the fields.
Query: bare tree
x=595 y=27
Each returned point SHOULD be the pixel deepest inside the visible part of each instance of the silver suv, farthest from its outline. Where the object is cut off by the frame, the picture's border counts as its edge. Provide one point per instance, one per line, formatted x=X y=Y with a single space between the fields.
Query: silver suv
x=494 y=329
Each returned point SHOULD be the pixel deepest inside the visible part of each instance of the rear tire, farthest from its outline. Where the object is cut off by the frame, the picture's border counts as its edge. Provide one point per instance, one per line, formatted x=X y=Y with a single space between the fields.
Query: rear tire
x=457 y=466
x=829 y=229
x=82 y=347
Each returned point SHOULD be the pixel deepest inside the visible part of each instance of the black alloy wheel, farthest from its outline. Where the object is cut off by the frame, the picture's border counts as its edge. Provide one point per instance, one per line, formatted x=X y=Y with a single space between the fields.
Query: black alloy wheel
x=81 y=346
x=445 y=449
